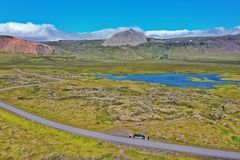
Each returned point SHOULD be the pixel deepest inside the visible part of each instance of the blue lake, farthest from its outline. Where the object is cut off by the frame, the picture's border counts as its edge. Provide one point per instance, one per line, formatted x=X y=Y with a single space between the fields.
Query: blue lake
x=175 y=79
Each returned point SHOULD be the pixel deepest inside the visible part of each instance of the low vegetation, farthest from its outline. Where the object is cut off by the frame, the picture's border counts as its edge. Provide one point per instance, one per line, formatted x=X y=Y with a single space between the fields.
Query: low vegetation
x=198 y=49
x=194 y=116
x=22 y=139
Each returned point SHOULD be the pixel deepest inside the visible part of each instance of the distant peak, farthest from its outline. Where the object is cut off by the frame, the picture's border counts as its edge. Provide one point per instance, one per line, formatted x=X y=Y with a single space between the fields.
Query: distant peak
x=132 y=30
x=128 y=37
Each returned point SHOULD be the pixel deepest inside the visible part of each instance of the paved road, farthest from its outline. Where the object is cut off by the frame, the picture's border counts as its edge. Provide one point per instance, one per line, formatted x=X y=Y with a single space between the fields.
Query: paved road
x=215 y=153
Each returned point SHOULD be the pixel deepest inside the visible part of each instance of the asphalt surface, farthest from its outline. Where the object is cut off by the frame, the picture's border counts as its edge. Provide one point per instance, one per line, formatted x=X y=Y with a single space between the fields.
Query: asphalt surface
x=214 y=153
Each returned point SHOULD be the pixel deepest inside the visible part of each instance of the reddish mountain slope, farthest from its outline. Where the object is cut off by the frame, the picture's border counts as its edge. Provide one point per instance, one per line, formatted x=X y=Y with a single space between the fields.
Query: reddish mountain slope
x=14 y=45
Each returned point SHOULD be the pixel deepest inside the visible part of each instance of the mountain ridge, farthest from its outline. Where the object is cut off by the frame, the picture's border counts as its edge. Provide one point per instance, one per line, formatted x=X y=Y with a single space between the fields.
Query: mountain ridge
x=9 y=44
x=128 y=37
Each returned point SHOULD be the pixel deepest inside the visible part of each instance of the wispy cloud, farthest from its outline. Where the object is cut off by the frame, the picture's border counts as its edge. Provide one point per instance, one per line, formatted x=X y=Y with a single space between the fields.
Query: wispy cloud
x=31 y=31
x=103 y=34
x=166 y=34
x=48 y=32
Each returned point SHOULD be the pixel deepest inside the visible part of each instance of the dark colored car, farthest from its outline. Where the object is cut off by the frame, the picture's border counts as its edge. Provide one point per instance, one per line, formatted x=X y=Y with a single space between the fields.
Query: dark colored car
x=138 y=136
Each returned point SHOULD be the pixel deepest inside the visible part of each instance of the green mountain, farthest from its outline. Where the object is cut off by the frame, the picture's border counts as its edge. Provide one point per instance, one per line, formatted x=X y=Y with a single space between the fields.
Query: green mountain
x=191 y=48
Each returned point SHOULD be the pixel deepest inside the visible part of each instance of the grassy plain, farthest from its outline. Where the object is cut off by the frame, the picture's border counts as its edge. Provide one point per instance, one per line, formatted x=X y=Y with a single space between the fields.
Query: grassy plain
x=200 y=117
x=22 y=139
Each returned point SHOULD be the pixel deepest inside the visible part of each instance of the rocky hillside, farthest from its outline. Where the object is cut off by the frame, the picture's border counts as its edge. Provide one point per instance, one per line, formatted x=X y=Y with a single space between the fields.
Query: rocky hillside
x=191 y=48
x=10 y=44
x=129 y=37
x=229 y=43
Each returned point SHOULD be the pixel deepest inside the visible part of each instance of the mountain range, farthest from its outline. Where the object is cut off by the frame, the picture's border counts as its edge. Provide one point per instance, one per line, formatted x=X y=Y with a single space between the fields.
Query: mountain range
x=132 y=45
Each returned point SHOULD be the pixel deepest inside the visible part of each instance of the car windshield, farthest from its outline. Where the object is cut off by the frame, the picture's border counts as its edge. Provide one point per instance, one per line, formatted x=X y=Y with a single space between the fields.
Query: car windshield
x=138 y=135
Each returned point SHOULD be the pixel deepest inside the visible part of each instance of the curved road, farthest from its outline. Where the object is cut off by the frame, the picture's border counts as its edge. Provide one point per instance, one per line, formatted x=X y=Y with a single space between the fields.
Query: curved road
x=214 y=153
x=126 y=141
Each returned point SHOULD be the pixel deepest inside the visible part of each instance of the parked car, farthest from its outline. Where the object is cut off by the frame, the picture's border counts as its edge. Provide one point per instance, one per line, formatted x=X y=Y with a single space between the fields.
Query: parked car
x=138 y=136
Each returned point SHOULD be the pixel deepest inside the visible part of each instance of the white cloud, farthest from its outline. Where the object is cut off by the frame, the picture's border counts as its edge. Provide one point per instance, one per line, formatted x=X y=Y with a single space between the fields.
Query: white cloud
x=48 y=32
x=29 y=31
x=103 y=34
x=165 y=34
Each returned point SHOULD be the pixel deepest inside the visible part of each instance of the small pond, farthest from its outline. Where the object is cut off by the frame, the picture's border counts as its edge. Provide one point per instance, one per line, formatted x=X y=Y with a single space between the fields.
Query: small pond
x=174 y=79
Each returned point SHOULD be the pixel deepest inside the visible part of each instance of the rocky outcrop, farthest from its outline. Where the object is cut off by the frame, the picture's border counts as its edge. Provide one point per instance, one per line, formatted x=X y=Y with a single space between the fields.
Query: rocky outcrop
x=129 y=37
x=10 y=44
x=228 y=43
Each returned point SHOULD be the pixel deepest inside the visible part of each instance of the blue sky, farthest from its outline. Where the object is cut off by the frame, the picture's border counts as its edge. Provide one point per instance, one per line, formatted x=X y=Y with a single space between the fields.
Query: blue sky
x=76 y=19
x=91 y=15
